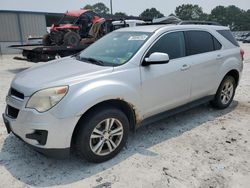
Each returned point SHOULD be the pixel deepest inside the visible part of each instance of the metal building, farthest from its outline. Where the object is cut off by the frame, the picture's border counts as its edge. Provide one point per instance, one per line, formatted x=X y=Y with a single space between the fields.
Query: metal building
x=17 y=26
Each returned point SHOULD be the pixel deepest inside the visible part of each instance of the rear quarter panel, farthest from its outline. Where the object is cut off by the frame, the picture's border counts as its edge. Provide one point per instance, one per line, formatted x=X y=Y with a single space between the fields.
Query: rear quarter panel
x=232 y=61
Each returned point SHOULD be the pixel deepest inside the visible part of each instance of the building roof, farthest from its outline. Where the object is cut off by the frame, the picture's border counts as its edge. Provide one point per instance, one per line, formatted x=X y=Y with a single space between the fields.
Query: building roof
x=29 y=12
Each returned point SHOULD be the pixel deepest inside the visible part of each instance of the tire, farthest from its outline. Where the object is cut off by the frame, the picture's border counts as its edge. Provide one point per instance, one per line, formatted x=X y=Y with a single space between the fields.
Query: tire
x=225 y=95
x=46 y=40
x=94 y=125
x=71 y=39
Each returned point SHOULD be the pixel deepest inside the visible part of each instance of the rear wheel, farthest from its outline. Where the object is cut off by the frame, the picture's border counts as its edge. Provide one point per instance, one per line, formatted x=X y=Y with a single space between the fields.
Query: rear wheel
x=102 y=135
x=71 y=39
x=225 y=93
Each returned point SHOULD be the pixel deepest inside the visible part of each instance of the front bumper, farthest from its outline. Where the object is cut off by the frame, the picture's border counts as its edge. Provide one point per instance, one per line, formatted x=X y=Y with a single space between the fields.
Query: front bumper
x=55 y=153
x=43 y=131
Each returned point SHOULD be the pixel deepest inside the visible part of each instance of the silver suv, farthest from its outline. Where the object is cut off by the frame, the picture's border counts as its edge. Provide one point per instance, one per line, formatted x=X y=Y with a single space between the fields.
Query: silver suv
x=90 y=101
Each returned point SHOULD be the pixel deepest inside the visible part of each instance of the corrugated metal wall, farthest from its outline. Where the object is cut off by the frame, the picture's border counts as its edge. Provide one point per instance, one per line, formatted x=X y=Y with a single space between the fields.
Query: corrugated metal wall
x=9 y=31
x=32 y=24
x=16 y=27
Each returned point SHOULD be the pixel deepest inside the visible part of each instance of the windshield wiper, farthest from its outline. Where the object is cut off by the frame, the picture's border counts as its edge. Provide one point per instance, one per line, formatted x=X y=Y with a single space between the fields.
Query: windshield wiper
x=76 y=55
x=91 y=60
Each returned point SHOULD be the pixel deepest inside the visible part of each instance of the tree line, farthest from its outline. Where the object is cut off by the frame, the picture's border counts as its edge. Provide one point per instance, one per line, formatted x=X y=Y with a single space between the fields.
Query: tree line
x=232 y=16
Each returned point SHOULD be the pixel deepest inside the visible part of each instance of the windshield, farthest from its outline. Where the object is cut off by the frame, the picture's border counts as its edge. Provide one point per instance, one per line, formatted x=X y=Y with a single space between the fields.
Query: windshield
x=115 y=48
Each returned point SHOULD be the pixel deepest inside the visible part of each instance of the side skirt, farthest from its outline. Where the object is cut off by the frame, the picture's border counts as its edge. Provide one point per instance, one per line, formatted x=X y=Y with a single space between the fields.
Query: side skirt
x=174 y=111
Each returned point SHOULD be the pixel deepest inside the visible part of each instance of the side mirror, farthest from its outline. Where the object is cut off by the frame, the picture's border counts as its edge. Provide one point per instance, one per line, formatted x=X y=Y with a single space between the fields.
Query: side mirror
x=156 y=58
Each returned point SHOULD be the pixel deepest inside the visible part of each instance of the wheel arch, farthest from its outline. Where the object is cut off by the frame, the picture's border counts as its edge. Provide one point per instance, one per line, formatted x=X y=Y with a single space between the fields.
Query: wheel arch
x=235 y=74
x=127 y=108
x=231 y=72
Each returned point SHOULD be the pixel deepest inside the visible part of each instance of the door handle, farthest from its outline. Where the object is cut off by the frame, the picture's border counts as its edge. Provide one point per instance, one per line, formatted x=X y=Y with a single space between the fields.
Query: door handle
x=185 y=67
x=219 y=57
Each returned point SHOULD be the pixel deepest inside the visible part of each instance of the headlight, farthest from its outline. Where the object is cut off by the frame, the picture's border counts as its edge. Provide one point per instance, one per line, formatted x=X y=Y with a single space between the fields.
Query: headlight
x=46 y=99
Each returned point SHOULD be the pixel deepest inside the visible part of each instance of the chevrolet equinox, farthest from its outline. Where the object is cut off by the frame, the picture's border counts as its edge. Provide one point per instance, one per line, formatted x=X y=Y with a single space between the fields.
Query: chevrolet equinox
x=90 y=101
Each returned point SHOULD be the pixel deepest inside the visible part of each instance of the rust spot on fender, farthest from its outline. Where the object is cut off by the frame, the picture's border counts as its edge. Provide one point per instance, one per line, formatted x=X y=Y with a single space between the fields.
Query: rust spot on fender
x=138 y=120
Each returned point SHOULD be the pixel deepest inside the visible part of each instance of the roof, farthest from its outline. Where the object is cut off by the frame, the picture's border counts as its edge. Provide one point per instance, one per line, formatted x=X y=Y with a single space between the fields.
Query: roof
x=146 y=28
x=76 y=13
x=154 y=28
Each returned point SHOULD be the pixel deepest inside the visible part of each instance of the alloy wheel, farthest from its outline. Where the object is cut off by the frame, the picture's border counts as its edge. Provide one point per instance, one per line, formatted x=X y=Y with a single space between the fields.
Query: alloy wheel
x=227 y=92
x=106 y=136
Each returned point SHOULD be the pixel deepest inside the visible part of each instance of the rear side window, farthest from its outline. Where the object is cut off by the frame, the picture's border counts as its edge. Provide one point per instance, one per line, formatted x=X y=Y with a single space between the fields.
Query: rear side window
x=217 y=44
x=172 y=43
x=228 y=35
x=198 y=42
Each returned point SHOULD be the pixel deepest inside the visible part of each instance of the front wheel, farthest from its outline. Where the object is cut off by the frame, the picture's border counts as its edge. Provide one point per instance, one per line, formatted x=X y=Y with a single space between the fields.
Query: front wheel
x=225 y=93
x=102 y=134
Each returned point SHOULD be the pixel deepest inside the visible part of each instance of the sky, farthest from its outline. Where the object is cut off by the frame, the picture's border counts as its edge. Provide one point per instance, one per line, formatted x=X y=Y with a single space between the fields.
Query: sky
x=131 y=7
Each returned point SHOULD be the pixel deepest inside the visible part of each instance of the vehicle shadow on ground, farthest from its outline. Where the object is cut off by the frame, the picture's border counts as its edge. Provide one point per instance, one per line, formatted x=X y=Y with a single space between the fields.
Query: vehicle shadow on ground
x=34 y=169
x=16 y=71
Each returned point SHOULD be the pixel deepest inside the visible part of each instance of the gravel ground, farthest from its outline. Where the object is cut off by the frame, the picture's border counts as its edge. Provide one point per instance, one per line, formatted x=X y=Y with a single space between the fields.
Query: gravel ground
x=201 y=147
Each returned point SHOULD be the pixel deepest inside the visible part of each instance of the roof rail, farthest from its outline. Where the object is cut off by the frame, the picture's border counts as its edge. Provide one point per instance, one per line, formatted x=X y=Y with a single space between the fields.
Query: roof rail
x=183 y=23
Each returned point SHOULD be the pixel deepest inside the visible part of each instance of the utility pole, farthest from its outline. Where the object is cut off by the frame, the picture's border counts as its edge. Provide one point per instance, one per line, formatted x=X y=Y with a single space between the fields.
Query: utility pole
x=111 y=7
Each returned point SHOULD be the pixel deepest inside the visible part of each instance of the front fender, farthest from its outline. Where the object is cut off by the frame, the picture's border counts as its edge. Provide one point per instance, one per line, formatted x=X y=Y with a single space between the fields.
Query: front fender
x=81 y=99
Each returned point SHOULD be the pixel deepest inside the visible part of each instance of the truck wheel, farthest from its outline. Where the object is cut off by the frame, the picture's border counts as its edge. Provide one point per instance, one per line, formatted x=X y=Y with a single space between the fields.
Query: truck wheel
x=71 y=39
x=102 y=134
x=46 y=40
x=225 y=93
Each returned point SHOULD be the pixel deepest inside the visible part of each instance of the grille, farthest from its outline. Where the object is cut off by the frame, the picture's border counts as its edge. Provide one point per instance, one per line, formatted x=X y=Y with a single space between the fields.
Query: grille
x=16 y=93
x=12 y=112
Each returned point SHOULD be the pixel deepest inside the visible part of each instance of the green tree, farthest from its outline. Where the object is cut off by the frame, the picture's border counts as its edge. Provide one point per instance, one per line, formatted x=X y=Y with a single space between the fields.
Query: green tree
x=99 y=8
x=190 y=12
x=120 y=14
x=219 y=14
x=88 y=7
x=231 y=16
x=247 y=20
x=150 y=14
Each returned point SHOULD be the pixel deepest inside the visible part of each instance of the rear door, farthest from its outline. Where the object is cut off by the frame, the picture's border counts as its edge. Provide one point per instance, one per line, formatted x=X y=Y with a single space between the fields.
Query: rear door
x=205 y=57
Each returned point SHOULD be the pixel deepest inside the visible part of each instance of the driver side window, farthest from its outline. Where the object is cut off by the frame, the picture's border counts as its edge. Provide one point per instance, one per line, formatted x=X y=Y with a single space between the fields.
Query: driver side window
x=172 y=43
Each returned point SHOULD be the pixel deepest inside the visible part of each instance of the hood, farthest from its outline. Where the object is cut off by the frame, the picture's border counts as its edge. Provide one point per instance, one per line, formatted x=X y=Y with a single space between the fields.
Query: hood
x=65 y=71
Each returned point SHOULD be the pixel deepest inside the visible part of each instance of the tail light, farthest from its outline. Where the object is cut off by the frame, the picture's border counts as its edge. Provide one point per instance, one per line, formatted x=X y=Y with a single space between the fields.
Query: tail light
x=242 y=54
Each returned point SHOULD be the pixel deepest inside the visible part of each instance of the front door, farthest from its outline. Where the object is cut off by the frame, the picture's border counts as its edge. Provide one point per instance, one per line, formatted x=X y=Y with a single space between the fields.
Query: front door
x=165 y=86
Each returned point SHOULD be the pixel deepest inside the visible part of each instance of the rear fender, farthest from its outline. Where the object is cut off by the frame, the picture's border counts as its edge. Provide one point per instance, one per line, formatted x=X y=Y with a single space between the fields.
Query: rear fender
x=231 y=63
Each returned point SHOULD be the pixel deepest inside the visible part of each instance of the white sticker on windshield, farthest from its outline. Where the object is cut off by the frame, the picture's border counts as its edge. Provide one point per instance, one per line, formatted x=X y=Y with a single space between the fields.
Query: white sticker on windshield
x=138 y=37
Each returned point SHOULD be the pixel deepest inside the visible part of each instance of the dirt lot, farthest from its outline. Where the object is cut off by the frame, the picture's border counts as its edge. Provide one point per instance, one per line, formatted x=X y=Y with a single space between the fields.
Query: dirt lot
x=202 y=147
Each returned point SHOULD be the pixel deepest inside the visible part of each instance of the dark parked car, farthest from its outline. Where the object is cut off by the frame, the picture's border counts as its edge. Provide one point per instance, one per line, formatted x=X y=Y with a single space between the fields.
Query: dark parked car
x=246 y=40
